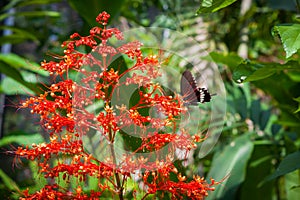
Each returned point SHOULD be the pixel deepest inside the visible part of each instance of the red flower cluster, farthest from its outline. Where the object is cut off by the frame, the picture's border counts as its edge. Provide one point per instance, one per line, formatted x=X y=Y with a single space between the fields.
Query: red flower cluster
x=92 y=106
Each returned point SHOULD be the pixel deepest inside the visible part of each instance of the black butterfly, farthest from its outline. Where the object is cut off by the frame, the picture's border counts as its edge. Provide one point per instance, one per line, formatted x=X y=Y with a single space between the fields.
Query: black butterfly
x=192 y=95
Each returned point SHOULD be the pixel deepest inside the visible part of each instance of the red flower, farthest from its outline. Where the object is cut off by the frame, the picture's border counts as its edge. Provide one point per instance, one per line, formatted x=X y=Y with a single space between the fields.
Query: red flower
x=74 y=109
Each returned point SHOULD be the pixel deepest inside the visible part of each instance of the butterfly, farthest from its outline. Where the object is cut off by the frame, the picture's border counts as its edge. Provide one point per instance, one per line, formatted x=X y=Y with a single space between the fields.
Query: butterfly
x=192 y=95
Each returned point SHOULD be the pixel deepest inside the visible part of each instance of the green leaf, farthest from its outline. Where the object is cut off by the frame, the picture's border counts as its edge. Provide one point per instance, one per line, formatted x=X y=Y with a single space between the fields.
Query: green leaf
x=36 y=2
x=294 y=75
x=17 y=36
x=10 y=184
x=292 y=186
x=290 y=37
x=89 y=11
x=248 y=71
x=232 y=161
x=130 y=142
x=31 y=14
x=231 y=60
x=209 y=6
x=22 y=3
x=290 y=163
x=23 y=138
x=11 y=87
x=16 y=75
x=18 y=62
x=259 y=167
x=298 y=100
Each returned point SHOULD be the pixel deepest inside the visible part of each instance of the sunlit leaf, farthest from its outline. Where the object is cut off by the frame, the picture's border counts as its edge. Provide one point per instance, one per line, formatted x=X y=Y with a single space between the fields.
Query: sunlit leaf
x=209 y=6
x=231 y=60
x=18 y=62
x=290 y=37
x=16 y=75
x=23 y=138
x=292 y=185
x=248 y=71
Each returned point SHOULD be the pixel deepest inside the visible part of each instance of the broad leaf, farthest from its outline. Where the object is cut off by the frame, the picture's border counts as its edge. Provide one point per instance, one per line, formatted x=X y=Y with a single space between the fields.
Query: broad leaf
x=292 y=186
x=89 y=11
x=17 y=36
x=18 y=62
x=9 y=183
x=22 y=138
x=248 y=71
x=209 y=6
x=231 y=60
x=16 y=75
x=290 y=37
x=232 y=161
x=290 y=163
x=259 y=167
x=11 y=87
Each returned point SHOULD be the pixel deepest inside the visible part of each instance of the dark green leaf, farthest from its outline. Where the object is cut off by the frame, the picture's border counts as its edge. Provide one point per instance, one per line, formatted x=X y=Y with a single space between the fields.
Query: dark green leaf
x=22 y=3
x=209 y=6
x=233 y=160
x=130 y=142
x=89 y=11
x=290 y=163
x=298 y=100
x=36 y=2
x=17 y=36
x=252 y=71
x=264 y=119
x=290 y=37
x=255 y=110
x=259 y=167
x=10 y=183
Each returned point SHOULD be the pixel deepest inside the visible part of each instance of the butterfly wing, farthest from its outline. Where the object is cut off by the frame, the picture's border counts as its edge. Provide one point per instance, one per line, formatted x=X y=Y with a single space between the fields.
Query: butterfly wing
x=191 y=93
x=204 y=95
x=189 y=89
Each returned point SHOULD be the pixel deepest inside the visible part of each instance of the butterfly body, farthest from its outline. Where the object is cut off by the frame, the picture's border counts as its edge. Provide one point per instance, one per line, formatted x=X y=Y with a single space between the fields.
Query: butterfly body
x=192 y=95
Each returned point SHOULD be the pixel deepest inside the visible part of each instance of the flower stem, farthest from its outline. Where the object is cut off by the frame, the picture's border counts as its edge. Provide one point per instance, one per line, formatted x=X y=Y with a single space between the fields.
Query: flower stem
x=117 y=177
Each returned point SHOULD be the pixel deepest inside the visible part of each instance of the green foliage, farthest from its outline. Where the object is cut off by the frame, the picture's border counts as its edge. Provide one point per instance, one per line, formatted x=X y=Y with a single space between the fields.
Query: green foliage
x=17 y=36
x=259 y=145
x=287 y=165
x=233 y=159
x=276 y=145
x=209 y=6
x=21 y=138
x=13 y=66
x=249 y=71
x=90 y=10
x=290 y=37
